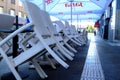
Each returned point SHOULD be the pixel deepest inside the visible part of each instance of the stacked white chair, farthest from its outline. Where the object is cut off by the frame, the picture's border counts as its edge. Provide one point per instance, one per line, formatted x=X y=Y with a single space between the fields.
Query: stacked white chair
x=45 y=23
x=56 y=36
x=67 y=34
x=32 y=53
x=73 y=34
x=48 y=28
x=77 y=37
x=84 y=35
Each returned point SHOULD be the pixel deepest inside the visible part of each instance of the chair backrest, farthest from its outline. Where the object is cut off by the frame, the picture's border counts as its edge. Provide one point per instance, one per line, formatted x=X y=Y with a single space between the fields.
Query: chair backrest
x=6 y=21
x=57 y=28
x=51 y=27
x=35 y=16
x=67 y=24
x=48 y=23
x=73 y=30
x=62 y=26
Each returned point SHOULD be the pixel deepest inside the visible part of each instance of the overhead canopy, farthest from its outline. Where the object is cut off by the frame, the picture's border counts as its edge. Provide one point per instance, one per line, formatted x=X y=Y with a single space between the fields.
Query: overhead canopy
x=82 y=10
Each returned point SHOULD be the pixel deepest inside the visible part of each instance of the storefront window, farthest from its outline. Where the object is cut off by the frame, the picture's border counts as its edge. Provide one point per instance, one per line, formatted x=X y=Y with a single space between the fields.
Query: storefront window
x=13 y=1
x=12 y=12
x=1 y=9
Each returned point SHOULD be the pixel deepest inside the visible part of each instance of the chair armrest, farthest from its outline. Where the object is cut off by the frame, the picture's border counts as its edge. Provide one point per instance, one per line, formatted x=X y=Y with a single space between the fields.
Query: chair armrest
x=10 y=36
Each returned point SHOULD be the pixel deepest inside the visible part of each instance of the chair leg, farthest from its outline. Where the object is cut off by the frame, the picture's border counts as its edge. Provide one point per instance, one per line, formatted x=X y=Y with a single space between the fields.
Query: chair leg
x=69 y=47
x=53 y=54
x=59 y=54
x=64 y=53
x=51 y=63
x=79 y=41
x=66 y=50
x=39 y=69
x=10 y=64
x=57 y=58
x=76 y=42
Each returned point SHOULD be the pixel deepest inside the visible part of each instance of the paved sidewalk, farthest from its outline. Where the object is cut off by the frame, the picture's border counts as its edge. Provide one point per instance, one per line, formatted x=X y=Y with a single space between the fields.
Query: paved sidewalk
x=92 y=68
x=109 y=54
x=109 y=58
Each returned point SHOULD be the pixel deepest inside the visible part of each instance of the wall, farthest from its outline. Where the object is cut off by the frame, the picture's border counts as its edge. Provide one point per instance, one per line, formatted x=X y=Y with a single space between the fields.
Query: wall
x=10 y=6
x=117 y=25
x=112 y=22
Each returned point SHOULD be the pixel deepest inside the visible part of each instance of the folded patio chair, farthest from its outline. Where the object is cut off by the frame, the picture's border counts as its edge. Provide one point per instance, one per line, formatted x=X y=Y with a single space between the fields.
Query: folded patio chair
x=67 y=35
x=29 y=54
x=32 y=53
x=77 y=37
x=56 y=36
x=84 y=35
x=30 y=40
x=73 y=34
x=43 y=27
x=46 y=22
x=60 y=27
x=45 y=41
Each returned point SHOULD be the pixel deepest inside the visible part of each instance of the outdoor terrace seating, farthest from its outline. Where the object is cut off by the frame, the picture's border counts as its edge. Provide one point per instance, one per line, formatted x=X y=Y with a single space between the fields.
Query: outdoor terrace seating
x=44 y=40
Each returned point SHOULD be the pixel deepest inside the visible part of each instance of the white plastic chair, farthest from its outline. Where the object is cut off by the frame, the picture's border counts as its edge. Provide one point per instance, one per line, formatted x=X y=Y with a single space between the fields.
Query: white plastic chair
x=44 y=21
x=73 y=34
x=67 y=35
x=31 y=53
x=77 y=37
x=41 y=30
x=56 y=36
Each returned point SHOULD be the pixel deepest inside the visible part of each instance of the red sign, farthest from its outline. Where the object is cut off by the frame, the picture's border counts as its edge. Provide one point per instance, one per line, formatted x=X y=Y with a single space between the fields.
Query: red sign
x=48 y=1
x=77 y=4
x=97 y=24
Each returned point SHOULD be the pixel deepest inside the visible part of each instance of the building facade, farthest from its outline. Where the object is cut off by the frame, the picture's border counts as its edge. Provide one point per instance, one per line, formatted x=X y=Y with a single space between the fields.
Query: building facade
x=12 y=7
x=110 y=24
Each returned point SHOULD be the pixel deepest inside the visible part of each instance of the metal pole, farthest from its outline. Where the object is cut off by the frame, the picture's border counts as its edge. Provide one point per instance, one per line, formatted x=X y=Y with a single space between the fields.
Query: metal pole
x=44 y=5
x=77 y=21
x=15 y=42
x=71 y=12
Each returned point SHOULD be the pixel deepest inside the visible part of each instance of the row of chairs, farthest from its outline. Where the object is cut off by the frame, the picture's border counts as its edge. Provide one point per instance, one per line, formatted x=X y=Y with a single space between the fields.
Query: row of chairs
x=44 y=41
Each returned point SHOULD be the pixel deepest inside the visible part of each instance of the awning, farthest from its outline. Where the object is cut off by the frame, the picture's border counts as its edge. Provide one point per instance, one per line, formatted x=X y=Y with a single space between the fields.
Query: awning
x=82 y=10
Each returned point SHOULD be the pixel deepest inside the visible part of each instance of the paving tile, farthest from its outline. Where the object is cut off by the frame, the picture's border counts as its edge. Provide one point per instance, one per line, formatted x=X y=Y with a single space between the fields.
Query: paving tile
x=92 y=68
